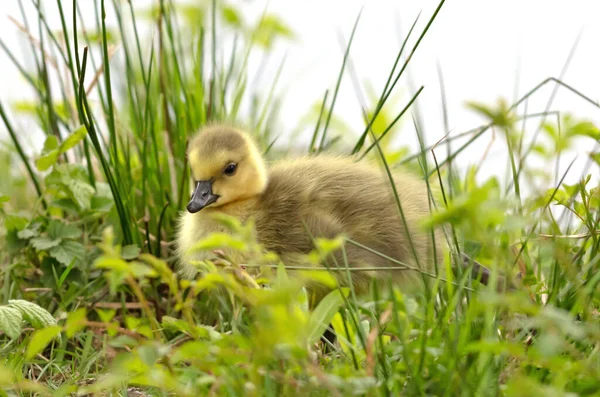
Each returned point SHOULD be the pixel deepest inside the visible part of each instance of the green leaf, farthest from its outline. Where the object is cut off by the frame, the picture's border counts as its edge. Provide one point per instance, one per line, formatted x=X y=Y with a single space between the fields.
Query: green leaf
x=81 y=192
x=59 y=230
x=232 y=16
x=67 y=251
x=106 y=315
x=50 y=144
x=75 y=322
x=319 y=276
x=3 y=199
x=321 y=317
x=44 y=243
x=47 y=160
x=50 y=154
x=72 y=140
x=123 y=341
x=140 y=270
x=32 y=231
x=15 y=222
x=130 y=252
x=72 y=179
x=101 y=204
x=37 y=316
x=220 y=240
x=40 y=339
x=11 y=321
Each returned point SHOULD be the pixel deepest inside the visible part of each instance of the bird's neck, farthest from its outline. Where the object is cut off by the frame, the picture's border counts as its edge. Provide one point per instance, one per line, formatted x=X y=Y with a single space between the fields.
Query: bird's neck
x=240 y=209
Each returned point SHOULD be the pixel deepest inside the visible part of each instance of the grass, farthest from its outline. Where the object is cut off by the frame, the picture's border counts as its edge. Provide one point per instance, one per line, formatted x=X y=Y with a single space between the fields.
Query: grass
x=90 y=304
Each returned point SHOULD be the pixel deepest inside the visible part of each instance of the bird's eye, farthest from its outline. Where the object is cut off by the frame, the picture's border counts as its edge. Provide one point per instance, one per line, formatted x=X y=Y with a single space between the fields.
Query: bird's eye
x=230 y=169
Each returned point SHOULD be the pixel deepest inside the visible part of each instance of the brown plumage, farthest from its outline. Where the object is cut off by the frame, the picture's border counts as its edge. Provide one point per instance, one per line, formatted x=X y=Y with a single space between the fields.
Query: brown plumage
x=325 y=195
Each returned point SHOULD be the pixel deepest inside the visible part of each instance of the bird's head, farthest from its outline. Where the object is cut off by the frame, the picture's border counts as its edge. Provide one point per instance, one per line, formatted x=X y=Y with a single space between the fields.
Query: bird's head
x=226 y=166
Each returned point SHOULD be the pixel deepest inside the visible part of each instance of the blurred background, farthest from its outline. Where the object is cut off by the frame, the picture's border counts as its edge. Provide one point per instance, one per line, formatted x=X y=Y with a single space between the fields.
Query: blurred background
x=484 y=51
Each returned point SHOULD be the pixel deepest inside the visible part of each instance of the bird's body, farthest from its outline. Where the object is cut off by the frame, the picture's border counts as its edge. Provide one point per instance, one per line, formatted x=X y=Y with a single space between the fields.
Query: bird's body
x=318 y=196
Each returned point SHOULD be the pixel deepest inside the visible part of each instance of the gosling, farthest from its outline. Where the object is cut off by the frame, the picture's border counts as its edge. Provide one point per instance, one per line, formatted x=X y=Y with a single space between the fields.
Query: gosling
x=294 y=201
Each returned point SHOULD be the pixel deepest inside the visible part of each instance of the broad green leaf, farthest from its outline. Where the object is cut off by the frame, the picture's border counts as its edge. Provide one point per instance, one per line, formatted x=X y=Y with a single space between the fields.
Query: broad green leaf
x=50 y=144
x=67 y=251
x=11 y=321
x=50 y=154
x=44 y=243
x=81 y=192
x=101 y=204
x=59 y=230
x=15 y=222
x=47 y=160
x=72 y=179
x=321 y=317
x=130 y=252
x=219 y=240
x=37 y=316
x=40 y=339
x=77 y=136
x=31 y=231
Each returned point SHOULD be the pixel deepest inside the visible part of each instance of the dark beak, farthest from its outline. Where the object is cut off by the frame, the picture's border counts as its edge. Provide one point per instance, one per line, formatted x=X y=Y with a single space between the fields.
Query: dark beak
x=201 y=197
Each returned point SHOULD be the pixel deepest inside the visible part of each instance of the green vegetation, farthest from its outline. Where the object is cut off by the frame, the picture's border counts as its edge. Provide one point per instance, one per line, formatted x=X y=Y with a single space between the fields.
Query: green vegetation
x=89 y=301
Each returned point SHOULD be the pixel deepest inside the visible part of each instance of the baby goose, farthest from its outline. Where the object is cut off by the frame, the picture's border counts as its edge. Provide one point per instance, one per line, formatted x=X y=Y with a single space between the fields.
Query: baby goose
x=318 y=196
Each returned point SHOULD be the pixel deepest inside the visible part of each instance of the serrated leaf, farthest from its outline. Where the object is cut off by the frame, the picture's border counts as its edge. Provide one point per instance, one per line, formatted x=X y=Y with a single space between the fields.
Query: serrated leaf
x=37 y=316
x=47 y=160
x=40 y=339
x=130 y=252
x=67 y=251
x=72 y=140
x=72 y=178
x=321 y=317
x=81 y=192
x=60 y=230
x=11 y=321
x=28 y=233
x=44 y=243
